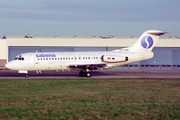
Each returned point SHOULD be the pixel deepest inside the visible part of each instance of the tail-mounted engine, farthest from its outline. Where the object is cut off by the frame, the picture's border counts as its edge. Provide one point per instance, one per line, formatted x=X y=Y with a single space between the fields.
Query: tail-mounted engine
x=110 y=58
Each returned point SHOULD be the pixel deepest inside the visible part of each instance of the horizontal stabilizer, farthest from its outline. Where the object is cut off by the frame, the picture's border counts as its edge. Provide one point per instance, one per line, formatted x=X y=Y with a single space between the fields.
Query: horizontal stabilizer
x=158 y=33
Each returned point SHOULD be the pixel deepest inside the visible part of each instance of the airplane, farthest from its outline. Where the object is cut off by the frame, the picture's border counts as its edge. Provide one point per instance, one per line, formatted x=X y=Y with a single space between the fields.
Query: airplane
x=86 y=62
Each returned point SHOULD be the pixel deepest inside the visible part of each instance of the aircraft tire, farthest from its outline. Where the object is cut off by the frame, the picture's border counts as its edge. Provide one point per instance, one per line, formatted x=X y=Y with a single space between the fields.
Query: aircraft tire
x=81 y=74
x=27 y=75
x=88 y=74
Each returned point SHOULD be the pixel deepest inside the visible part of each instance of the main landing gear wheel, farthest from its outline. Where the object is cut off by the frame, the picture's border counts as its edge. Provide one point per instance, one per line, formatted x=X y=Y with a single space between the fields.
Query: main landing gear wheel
x=81 y=74
x=27 y=75
x=87 y=74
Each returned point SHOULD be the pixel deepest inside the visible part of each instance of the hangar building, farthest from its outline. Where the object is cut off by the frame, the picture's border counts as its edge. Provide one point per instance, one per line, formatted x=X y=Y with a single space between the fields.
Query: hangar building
x=166 y=51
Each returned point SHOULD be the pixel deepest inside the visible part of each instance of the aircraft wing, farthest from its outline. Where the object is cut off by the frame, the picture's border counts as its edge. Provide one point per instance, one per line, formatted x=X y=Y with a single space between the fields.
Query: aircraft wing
x=87 y=66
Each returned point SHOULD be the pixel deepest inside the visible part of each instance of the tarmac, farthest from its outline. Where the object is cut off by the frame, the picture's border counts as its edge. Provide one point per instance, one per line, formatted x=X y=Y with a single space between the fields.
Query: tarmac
x=106 y=74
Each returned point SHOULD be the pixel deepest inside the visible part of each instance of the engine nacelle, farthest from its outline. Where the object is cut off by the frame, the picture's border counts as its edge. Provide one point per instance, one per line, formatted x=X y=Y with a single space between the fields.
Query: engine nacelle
x=110 y=58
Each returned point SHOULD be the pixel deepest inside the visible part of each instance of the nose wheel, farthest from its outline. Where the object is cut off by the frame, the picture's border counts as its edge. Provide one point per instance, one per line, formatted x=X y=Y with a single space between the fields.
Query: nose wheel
x=26 y=75
x=83 y=74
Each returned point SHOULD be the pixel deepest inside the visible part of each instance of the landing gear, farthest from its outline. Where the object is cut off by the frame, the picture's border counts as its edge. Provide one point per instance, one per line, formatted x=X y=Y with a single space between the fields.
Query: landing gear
x=82 y=74
x=88 y=74
x=27 y=75
x=38 y=72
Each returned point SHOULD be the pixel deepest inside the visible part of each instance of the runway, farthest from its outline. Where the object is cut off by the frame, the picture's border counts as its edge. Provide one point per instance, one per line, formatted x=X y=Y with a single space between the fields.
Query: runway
x=114 y=73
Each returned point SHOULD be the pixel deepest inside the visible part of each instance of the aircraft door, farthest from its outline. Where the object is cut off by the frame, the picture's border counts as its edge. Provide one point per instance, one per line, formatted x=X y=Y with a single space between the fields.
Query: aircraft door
x=31 y=61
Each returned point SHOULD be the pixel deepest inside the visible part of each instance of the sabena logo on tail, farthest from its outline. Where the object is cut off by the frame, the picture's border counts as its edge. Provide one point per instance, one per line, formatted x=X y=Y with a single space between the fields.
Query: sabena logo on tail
x=147 y=42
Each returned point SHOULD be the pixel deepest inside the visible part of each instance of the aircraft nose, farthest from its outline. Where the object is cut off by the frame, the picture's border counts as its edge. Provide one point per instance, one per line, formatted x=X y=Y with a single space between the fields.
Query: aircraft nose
x=8 y=65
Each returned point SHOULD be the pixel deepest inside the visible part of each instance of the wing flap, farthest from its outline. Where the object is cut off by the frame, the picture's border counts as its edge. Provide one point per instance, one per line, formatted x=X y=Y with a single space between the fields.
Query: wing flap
x=86 y=66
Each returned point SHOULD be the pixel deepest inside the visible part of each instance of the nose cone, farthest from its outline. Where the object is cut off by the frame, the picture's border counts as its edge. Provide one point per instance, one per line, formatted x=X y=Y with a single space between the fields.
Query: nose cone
x=9 y=65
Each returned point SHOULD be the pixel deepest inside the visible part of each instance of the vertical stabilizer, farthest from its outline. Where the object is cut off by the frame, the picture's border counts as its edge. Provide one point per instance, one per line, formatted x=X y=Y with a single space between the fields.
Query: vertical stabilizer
x=146 y=41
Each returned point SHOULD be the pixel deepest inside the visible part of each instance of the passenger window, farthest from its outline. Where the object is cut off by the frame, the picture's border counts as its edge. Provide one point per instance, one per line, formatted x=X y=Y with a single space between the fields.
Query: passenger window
x=46 y=58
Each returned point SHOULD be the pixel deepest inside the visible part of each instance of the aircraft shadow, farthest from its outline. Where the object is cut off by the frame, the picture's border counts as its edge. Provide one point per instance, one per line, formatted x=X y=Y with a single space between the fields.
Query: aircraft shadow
x=94 y=74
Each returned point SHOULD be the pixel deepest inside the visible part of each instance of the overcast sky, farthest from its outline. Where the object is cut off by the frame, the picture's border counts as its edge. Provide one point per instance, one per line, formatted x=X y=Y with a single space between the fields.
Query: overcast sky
x=88 y=17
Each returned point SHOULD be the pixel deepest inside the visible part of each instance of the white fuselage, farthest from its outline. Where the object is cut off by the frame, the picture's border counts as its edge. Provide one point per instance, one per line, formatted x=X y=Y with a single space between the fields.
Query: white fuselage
x=62 y=60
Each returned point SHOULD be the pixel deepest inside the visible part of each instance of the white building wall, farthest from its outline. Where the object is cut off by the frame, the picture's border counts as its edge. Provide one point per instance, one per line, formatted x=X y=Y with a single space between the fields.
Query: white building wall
x=86 y=42
x=69 y=42
x=3 y=49
x=3 y=52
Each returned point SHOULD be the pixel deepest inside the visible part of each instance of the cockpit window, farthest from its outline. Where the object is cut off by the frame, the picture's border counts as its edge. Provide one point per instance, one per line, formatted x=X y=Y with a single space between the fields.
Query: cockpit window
x=19 y=58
